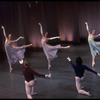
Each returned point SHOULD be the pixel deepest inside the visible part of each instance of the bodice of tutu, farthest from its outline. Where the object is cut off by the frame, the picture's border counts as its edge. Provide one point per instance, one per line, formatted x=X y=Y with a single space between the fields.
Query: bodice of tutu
x=8 y=45
x=43 y=41
x=90 y=39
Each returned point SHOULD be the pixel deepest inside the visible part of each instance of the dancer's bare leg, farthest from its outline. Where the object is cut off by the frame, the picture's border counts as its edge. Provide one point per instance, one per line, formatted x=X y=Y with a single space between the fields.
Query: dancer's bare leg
x=81 y=80
x=10 y=67
x=93 y=61
x=32 y=89
x=66 y=47
x=49 y=64
x=78 y=86
x=28 y=90
x=63 y=47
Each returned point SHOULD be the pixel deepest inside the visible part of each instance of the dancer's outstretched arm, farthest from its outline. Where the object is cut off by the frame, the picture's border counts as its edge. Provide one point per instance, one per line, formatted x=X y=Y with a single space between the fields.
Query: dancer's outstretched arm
x=87 y=27
x=17 y=39
x=24 y=46
x=95 y=36
x=4 y=33
x=51 y=37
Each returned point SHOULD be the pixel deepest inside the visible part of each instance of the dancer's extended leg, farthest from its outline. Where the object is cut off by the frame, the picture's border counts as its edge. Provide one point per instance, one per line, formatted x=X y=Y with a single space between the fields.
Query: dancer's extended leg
x=78 y=86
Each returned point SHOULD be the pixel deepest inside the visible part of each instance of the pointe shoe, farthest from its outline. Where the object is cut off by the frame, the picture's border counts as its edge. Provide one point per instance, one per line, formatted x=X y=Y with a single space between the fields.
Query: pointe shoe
x=11 y=70
x=67 y=47
x=34 y=93
x=89 y=94
x=49 y=67
x=29 y=96
x=93 y=64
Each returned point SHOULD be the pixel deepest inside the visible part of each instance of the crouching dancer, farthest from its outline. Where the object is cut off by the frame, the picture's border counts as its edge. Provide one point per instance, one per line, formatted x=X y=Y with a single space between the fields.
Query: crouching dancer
x=79 y=69
x=29 y=77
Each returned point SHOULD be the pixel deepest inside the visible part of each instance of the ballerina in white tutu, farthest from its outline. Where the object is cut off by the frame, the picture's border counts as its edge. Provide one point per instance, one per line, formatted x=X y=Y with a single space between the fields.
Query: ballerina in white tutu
x=14 y=53
x=50 y=51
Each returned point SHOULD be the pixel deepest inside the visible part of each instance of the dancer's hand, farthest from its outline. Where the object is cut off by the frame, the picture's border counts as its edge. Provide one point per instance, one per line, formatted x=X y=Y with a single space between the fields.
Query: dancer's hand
x=39 y=23
x=21 y=61
x=21 y=37
x=85 y=22
x=2 y=26
x=98 y=74
x=68 y=46
x=68 y=58
x=49 y=75
x=30 y=44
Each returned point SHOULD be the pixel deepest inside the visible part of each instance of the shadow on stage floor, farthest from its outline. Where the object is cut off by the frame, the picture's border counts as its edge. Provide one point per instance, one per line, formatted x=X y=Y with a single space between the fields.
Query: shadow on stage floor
x=62 y=83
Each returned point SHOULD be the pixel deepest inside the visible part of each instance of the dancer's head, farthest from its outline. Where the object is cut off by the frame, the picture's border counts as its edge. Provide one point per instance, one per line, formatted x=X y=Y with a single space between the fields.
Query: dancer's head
x=9 y=36
x=26 y=63
x=79 y=61
x=93 y=32
x=46 y=34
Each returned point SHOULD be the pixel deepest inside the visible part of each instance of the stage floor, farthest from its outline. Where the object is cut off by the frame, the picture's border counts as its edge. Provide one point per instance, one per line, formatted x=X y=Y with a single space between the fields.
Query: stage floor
x=62 y=83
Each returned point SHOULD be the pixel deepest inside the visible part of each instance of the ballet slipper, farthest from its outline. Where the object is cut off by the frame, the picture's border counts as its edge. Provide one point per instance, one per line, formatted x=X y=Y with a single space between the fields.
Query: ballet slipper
x=93 y=64
x=11 y=70
x=34 y=93
x=67 y=47
x=88 y=94
x=49 y=66
x=29 y=96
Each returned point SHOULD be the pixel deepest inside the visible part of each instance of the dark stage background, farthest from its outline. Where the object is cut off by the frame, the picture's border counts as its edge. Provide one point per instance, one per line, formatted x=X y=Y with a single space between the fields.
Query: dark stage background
x=64 y=18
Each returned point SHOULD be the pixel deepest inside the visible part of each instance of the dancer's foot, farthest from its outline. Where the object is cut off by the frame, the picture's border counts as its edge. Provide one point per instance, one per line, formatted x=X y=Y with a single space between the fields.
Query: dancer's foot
x=67 y=47
x=34 y=93
x=29 y=96
x=11 y=69
x=93 y=64
x=88 y=94
x=49 y=66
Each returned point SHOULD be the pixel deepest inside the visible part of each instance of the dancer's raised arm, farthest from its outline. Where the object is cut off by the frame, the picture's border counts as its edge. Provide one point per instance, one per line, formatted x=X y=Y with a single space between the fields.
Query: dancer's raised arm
x=4 y=33
x=87 y=27
x=41 y=30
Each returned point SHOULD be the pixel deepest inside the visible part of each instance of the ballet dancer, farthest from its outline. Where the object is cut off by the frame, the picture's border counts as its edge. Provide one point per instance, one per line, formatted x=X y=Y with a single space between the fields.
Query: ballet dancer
x=14 y=53
x=94 y=46
x=29 y=77
x=79 y=69
x=50 y=51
